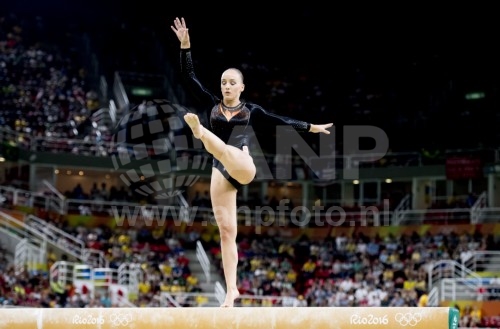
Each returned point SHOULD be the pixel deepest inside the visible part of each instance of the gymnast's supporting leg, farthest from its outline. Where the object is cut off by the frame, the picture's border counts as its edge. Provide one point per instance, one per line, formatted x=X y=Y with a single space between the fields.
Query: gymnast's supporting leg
x=238 y=164
x=223 y=196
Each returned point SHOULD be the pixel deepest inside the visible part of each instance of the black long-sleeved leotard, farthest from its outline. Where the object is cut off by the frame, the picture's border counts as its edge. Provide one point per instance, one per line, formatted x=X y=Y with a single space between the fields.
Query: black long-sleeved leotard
x=235 y=131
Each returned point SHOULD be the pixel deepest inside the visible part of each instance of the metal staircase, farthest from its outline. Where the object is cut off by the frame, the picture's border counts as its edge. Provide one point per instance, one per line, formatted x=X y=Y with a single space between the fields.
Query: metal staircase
x=450 y=280
x=28 y=246
x=40 y=238
x=66 y=242
x=212 y=290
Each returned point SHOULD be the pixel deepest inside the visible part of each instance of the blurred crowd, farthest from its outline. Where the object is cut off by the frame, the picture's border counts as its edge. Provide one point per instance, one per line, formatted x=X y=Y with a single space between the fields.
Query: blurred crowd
x=274 y=269
x=45 y=100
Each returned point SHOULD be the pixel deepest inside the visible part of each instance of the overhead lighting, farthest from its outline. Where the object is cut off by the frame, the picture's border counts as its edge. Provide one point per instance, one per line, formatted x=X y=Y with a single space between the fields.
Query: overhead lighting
x=473 y=96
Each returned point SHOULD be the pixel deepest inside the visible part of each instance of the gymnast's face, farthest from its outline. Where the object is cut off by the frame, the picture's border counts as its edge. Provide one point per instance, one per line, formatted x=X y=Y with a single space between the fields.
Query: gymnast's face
x=232 y=85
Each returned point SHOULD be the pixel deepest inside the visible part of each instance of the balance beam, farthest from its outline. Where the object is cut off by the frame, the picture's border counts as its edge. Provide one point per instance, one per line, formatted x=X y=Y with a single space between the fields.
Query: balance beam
x=237 y=317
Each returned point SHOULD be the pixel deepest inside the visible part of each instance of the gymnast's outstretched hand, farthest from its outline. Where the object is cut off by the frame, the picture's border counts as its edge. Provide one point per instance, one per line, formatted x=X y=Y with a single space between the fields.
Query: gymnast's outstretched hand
x=182 y=32
x=321 y=128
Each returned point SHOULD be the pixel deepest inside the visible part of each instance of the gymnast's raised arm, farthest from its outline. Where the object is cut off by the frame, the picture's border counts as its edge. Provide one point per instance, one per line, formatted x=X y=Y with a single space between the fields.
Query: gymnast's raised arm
x=206 y=98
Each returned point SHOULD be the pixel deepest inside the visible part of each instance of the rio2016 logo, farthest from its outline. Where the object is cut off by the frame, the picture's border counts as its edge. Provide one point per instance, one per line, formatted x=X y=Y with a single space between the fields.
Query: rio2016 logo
x=87 y=319
x=153 y=149
x=368 y=319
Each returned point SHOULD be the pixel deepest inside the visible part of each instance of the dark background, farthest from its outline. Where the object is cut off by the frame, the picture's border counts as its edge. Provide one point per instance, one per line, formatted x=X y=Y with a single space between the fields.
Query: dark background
x=379 y=37
x=405 y=68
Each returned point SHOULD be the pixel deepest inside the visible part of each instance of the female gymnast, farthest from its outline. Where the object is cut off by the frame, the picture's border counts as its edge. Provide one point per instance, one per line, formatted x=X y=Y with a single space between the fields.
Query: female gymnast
x=227 y=142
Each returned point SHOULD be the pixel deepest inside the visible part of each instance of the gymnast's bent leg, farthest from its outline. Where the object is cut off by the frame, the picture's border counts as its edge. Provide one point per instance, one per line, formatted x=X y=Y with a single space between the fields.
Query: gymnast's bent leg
x=239 y=164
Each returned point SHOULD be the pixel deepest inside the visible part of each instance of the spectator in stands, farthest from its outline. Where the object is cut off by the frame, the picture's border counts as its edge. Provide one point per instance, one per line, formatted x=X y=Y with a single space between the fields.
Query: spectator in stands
x=300 y=302
x=233 y=166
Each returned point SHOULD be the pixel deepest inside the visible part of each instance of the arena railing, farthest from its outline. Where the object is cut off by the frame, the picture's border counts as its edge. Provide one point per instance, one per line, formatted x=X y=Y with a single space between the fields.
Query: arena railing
x=452 y=279
x=443 y=216
x=28 y=245
x=120 y=94
x=103 y=148
x=40 y=232
x=67 y=242
x=204 y=261
x=482 y=260
x=127 y=275
x=128 y=213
